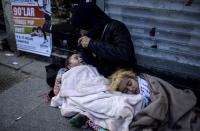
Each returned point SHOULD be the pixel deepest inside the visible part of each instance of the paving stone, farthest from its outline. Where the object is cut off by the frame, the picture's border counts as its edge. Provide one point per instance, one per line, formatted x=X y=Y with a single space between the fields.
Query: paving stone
x=9 y=60
x=43 y=118
x=36 y=68
x=9 y=77
x=20 y=100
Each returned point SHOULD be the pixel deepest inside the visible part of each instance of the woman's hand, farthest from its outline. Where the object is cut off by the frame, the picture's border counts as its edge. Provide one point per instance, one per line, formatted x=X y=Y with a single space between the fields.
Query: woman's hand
x=84 y=41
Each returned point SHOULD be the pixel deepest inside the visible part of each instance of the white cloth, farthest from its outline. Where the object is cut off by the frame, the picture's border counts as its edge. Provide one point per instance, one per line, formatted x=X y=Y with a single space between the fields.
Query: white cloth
x=111 y=111
x=82 y=80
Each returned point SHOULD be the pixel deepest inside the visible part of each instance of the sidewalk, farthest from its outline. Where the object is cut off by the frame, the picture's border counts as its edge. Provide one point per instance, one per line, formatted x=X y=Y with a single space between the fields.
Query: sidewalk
x=22 y=104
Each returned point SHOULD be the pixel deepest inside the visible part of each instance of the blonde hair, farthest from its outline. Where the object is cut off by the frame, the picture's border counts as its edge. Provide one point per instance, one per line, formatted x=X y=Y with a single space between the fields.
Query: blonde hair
x=117 y=77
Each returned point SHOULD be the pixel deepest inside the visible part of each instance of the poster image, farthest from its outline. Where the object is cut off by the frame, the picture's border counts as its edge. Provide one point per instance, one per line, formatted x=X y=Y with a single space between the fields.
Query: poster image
x=29 y=18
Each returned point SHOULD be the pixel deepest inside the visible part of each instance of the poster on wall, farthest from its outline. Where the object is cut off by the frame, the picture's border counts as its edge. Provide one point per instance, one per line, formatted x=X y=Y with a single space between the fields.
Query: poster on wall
x=30 y=17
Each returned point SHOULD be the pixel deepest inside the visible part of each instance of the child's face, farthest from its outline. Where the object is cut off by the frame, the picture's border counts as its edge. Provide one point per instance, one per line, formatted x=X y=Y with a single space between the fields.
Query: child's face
x=75 y=60
x=129 y=86
x=39 y=31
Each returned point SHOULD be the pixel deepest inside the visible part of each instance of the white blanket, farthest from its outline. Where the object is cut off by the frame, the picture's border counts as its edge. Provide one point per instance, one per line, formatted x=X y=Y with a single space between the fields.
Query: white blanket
x=84 y=91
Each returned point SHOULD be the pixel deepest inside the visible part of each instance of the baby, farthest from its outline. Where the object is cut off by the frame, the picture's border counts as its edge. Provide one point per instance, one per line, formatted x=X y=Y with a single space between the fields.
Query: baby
x=78 y=120
x=72 y=60
x=128 y=82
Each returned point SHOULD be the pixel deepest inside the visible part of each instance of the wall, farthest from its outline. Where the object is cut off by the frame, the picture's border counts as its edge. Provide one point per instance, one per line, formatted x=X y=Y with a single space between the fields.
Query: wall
x=165 y=33
x=9 y=24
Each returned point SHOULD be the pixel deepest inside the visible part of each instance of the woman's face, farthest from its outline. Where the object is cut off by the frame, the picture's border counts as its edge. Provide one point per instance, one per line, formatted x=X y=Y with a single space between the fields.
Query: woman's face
x=129 y=86
x=75 y=60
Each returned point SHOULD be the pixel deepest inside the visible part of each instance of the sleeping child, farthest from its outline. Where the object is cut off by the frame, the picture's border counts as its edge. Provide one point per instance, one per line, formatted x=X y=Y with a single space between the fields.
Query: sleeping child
x=74 y=60
x=165 y=107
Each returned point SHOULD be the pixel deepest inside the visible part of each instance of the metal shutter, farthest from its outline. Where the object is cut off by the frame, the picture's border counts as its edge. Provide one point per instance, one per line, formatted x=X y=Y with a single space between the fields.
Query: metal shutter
x=165 y=33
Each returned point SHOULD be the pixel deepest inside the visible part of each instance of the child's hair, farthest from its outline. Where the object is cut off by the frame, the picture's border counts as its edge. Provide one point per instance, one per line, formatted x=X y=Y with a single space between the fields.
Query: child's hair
x=34 y=29
x=67 y=59
x=118 y=76
x=39 y=28
x=68 y=56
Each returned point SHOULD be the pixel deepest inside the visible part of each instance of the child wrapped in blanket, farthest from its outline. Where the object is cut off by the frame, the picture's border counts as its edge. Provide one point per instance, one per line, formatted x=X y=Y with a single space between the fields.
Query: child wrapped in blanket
x=162 y=101
x=79 y=120
x=73 y=59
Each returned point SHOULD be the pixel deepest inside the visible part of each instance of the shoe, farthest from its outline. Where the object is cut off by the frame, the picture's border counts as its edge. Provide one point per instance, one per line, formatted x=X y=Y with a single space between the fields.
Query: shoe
x=78 y=121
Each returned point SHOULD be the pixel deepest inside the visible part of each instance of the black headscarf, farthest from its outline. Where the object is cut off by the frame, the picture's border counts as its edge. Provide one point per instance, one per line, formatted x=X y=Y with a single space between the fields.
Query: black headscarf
x=90 y=17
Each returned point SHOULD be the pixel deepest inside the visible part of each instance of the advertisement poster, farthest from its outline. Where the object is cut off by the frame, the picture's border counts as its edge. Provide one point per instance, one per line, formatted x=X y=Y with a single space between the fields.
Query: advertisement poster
x=29 y=17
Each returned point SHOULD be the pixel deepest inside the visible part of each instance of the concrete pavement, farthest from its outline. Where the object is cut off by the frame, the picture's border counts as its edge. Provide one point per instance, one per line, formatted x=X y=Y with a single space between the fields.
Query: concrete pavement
x=22 y=105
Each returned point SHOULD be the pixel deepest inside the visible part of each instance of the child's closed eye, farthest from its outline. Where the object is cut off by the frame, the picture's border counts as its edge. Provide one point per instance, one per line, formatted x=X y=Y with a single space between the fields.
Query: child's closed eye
x=125 y=90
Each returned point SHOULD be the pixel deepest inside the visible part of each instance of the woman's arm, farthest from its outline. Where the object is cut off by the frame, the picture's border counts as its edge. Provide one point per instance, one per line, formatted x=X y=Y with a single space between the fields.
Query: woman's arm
x=119 y=48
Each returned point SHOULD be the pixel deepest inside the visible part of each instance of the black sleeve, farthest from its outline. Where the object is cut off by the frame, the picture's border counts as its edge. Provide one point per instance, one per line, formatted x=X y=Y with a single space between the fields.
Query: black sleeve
x=120 y=48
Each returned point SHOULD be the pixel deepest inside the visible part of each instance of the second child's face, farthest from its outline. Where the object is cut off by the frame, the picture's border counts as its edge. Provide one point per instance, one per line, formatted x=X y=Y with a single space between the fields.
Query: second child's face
x=75 y=60
x=129 y=86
